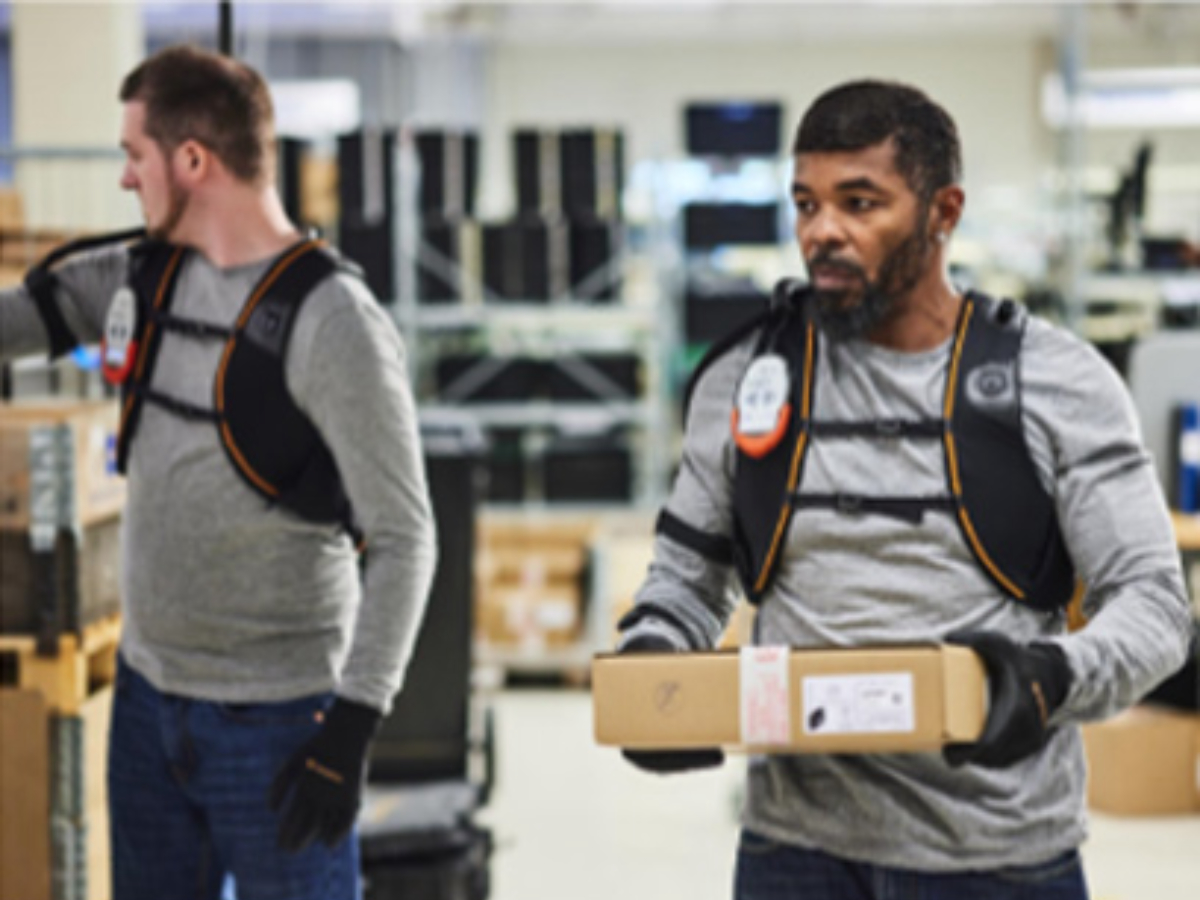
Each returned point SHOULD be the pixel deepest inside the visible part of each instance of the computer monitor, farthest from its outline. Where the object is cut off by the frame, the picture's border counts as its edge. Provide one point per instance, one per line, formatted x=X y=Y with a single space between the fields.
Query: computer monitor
x=733 y=128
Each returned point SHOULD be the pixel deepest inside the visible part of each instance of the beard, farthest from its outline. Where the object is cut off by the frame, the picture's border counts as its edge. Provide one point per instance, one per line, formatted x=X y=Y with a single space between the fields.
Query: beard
x=843 y=318
x=177 y=201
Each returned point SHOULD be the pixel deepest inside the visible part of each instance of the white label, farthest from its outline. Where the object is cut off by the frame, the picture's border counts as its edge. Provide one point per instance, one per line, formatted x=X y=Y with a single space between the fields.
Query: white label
x=1189 y=448
x=118 y=328
x=765 y=704
x=858 y=704
x=761 y=394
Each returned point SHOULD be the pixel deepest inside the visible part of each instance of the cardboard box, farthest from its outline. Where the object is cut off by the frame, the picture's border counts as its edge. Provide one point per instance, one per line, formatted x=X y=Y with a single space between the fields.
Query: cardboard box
x=550 y=615
x=1144 y=761
x=876 y=700
x=84 y=569
x=53 y=797
x=72 y=437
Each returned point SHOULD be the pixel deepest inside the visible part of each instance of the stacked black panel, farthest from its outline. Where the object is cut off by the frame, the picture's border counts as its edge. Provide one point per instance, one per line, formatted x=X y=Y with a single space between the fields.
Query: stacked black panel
x=448 y=256
x=367 y=206
x=717 y=302
x=524 y=465
x=564 y=240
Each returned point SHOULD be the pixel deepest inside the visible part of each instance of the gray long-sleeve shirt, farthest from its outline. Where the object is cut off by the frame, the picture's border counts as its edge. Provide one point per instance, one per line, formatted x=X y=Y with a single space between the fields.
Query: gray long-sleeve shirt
x=226 y=597
x=849 y=580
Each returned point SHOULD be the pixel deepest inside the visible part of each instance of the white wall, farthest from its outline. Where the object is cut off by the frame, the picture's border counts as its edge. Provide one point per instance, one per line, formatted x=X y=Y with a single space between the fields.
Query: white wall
x=68 y=61
x=989 y=86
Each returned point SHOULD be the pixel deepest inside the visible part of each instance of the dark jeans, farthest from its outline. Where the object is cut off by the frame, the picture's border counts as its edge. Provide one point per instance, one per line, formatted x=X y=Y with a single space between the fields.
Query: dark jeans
x=188 y=783
x=768 y=870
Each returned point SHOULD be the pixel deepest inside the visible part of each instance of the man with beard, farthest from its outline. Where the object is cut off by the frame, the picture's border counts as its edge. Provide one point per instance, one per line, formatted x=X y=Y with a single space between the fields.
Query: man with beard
x=267 y=418
x=885 y=459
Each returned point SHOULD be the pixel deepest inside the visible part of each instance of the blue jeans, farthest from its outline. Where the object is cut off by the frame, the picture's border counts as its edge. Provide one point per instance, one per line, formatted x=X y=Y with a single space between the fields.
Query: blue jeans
x=769 y=870
x=188 y=783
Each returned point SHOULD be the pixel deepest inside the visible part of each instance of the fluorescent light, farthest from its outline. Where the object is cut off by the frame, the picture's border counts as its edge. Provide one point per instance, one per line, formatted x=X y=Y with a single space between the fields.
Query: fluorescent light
x=1126 y=98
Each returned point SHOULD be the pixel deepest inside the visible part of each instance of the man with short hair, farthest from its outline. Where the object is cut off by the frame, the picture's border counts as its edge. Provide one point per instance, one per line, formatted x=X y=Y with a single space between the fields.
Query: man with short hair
x=885 y=459
x=268 y=427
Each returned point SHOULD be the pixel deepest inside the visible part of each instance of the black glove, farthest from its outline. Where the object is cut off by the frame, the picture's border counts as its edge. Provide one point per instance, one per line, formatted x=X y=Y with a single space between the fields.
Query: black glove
x=319 y=789
x=667 y=762
x=1025 y=685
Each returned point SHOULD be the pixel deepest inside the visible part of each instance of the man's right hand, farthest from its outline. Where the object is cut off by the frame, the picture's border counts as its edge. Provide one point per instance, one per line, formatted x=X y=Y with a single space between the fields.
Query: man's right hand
x=668 y=762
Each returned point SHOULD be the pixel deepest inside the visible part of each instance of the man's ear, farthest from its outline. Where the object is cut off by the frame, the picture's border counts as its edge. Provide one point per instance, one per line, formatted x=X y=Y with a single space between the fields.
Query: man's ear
x=946 y=210
x=193 y=161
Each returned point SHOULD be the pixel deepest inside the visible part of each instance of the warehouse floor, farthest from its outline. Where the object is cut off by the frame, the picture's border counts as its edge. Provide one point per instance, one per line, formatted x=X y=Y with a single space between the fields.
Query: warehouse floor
x=573 y=820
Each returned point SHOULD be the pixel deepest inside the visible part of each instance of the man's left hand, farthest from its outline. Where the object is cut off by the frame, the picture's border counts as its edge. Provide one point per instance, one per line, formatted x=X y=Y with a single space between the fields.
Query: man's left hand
x=1025 y=685
x=319 y=790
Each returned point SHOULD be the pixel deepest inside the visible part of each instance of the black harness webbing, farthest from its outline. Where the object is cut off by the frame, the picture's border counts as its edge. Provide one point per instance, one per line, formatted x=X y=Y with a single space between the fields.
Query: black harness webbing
x=156 y=264
x=910 y=509
x=879 y=428
x=181 y=408
x=193 y=328
x=711 y=546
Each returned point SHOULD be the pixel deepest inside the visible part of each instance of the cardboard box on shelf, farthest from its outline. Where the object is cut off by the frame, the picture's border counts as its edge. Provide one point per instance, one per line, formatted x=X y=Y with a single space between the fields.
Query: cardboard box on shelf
x=551 y=616
x=867 y=700
x=537 y=533
x=531 y=577
x=81 y=571
x=1144 y=761
x=512 y=565
x=40 y=442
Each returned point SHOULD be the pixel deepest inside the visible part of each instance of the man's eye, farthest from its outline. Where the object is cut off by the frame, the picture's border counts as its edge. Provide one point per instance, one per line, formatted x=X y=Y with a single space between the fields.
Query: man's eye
x=862 y=204
x=805 y=207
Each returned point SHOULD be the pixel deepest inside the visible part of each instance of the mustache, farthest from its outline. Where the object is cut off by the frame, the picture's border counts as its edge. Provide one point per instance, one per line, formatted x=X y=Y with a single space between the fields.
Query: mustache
x=826 y=260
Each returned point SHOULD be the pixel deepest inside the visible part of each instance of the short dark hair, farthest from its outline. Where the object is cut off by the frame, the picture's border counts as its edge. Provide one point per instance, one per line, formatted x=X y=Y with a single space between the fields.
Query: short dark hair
x=195 y=94
x=861 y=114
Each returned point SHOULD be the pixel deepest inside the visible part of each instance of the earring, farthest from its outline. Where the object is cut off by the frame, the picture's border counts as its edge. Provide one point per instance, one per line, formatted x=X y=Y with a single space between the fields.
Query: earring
x=941 y=237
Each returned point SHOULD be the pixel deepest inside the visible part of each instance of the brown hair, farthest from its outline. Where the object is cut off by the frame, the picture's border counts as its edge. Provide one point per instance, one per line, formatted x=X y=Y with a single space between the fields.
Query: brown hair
x=194 y=94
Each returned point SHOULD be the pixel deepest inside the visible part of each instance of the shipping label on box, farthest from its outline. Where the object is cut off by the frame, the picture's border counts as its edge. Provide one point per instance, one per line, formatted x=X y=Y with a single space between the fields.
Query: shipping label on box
x=886 y=699
x=858 y=704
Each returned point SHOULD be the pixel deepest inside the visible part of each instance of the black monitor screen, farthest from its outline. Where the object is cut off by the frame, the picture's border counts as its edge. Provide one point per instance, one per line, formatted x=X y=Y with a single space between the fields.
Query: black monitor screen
x=733 y=129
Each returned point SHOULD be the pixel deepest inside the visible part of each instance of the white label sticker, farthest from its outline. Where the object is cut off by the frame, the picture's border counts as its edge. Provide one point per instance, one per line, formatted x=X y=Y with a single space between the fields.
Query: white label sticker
x=1189 y=448
x=765 y=704
x=761 y=394
x=858 y=704
x=118 y=328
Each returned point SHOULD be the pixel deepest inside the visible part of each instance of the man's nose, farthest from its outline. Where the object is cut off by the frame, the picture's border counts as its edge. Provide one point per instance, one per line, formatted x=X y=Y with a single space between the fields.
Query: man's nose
x=823 y=228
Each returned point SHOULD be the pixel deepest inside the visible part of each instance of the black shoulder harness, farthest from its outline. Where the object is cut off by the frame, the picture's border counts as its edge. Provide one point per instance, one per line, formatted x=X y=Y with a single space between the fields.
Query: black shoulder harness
x=270 y=442
x=1006 y=517
x=41 y=282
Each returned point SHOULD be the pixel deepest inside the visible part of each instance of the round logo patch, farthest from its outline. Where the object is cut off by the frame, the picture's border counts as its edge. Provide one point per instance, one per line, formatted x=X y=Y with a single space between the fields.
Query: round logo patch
x=992 y=385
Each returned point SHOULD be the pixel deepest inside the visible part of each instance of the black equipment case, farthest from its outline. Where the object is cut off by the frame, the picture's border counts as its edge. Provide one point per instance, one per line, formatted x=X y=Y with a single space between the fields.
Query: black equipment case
x=429 y=772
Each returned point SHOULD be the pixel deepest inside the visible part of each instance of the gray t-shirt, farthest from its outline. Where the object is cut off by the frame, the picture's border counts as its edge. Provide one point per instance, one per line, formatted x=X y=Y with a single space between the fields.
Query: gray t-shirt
x=225 y=596
x=852 y=580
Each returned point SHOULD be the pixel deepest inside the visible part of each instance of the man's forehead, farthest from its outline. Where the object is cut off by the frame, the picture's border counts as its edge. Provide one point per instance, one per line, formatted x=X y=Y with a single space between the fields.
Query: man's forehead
x=877 y=161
